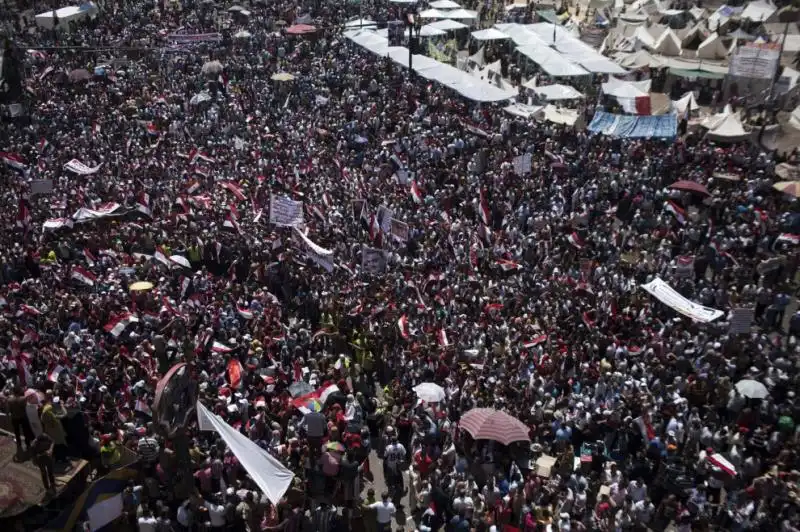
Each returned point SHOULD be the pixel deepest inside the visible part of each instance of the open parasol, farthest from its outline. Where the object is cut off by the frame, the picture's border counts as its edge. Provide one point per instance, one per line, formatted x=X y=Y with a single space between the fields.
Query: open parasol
x=282 y=76
x=212 y=68
x=141 y=286
x=788 y=187
x=300 y=29
x=490 y=424
x=244 y=34
x=752 y=389
x=690 y=186
x=429 y=392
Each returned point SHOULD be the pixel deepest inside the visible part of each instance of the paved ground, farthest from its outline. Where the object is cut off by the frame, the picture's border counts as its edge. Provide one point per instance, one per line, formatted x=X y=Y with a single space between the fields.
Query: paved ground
x=403 y=520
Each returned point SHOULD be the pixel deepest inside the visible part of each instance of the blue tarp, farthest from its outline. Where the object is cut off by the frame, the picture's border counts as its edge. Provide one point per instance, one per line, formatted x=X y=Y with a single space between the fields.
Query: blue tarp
x=631 y=126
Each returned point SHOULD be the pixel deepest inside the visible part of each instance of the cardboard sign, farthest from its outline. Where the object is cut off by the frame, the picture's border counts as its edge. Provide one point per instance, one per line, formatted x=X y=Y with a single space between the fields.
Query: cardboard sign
x=741 y=319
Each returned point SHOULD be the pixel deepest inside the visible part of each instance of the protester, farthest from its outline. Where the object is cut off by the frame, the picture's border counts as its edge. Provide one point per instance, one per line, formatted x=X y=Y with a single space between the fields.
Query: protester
x=413 y=246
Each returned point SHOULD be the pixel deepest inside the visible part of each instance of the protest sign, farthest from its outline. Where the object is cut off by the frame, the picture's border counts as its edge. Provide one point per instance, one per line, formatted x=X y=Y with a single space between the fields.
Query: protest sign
x=314 y=252
x=399 y=230
x=373 y=261
x=358 y=206
x=741 y=319
x=81 y=169
x=41 y=186
x=522 y=164
x=384 y=218
x=285 y=212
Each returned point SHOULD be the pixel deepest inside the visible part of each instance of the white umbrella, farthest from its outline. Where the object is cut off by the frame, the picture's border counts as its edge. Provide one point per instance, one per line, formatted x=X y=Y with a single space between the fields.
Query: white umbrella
x=429 y=392
x=181 y=261
x=361 y=23
x=461 y=14
x=432 y=13
x=244 y=34
x=444 y=4
x=234 y=9
x=752 y=389
x=212 y=68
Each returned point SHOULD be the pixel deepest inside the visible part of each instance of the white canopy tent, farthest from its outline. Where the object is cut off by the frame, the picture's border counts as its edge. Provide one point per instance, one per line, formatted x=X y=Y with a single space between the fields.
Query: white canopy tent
x=445 y=4
x=553 y=63
x=794 y=118
x=447 y=25
x=556 y=92
x=668 y=44
x=461 y=14
x=759 y=11
x=686 y=104
x=626 y=89
x=490 y=34
x=431 y=13
x=712 y=48
x=65 y=15
x=361 y=23
x=424 y=31
x=729 y=129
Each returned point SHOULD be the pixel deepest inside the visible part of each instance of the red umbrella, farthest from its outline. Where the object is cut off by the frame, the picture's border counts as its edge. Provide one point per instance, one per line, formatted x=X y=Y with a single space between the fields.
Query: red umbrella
x=690 y=186
x=300 y=29
x=490 y=424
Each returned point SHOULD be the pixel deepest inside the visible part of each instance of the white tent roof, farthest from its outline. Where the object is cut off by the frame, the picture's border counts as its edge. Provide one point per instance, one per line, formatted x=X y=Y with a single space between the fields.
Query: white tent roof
x=643 y=36
x=432 y=13
x=759 y=11
x=490 y=34
x=712 y=48
x=552 y=62
x=626 y=89
x=686 y=103
x=794 y=119
x=424 y=31
x=444 y=4
x=559 y=115
x=728 y=129
x=557 y=92
x=461 y=14
x=668 y=43
x=446 y=25
x=360 y=23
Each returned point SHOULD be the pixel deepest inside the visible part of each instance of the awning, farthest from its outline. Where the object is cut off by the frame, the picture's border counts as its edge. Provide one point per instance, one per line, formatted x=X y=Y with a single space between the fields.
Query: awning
x=683 y=73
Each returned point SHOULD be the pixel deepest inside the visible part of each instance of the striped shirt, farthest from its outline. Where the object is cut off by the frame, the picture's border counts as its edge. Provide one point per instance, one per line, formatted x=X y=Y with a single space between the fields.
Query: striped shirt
x=148 y=449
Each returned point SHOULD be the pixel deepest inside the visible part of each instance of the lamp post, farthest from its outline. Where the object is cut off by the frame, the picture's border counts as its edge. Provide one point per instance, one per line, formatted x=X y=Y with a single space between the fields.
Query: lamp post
x=412 y=21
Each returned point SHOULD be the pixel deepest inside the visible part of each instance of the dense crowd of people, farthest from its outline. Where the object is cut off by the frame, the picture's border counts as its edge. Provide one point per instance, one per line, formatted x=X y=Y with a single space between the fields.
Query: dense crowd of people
x=429 y=251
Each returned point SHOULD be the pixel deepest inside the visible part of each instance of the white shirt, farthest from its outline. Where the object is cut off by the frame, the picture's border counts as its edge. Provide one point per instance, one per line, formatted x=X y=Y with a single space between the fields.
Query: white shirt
x=147 y=524
x=385 y=511
x=183 y=515
x=216 y=514
x=395 y=453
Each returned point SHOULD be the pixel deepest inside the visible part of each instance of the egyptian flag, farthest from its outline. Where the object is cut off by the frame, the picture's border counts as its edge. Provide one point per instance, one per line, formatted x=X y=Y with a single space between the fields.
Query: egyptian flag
x=219 y=347
x=29 y=310
x=416 y=193
x=117 y=326
x=95 y=128
x=161 y=256
x=508 y=265
x=196 y=154
x=788 y=238
x=645 y=427
x=53 y=374
x=245 y=313
x=589 y=318
x=576 y=240
x=192 y=187
x=235 y=373
x=234 y=189
x=232 y=222
x=143 y=204
x=534 y=341
x=90 y=259
x=24 y=215
x=83 y=275
x=402 y=324
x=357 y=310
x=152 y=130
x=483 y=209
x=185 y=283
x=374 y=227
x=441 y=337
x=167 y=306
x=13 y=160
x=473 y=255
x=677 y=211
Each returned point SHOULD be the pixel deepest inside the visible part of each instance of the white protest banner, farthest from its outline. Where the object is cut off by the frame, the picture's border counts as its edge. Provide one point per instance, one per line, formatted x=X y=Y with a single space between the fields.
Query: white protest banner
x=667 y=295
x=323 y=257
x=105 y=210
x=755 y=61
x=373 y=261
x=41 y=186
x=384 y=218
x=741 y=319
x=81 y=169
x=523 y=164
x=285 y=212
x=399 y=230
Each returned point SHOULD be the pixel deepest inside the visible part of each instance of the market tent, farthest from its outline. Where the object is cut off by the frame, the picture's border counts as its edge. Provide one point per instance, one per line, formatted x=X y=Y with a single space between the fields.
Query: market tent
x=557 y=92
x=559 y=115
x=424 y=31
x=446 y=25
x=729 y=129
x=643 y=37
x=686 y=104
x=524 y=111
x=640 y=59
x=490 y=34
x=712 y=48
x=361 y=23
x=65 y=15
x=626 y=89
x=431 y=13
x=759 y=11
x=461 y=14
x=552 y=62
x=444 y=4
x=668 y=44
